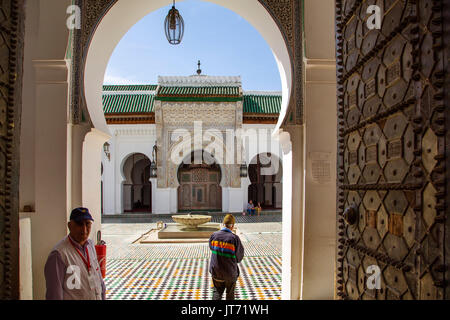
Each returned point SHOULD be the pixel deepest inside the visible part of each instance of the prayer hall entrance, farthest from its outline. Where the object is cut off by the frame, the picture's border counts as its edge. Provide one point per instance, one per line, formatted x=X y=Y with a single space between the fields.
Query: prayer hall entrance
x=199 y=187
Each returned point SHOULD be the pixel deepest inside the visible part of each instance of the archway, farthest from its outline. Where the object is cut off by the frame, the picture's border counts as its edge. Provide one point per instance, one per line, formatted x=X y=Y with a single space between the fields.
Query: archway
x=199 y=186
x=137 y=188
x=118 y=19
x=121 y=17
x=266 y=181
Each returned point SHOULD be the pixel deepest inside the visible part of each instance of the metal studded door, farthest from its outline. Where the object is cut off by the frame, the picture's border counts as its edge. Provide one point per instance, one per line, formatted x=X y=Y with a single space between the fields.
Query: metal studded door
x=11 y=73
x=391 y=145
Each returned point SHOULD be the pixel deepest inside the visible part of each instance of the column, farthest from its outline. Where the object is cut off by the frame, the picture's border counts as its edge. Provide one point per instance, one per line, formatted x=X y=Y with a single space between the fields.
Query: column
x=173 y=200
x=26 y=264
x=77 y=133
x=267 y=193
x=163 y=200
x=109 y=178
x=278 y=195
x=320 y=195
x=91 y=176
x=49 y=222
x=291 y=140
x=245 y=182
x=154 y=182
x=320 y=141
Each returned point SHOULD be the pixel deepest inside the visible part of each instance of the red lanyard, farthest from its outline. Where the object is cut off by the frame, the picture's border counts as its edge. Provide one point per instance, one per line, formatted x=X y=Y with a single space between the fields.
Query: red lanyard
x=86 y=262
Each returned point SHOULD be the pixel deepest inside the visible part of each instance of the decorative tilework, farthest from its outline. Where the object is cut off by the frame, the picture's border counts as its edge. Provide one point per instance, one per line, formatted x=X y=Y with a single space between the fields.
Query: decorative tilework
x=255 y=245
x=189 y=279
x=180 y=271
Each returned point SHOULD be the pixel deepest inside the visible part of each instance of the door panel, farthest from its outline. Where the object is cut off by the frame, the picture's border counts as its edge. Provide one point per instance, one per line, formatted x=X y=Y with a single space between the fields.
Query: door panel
x=199 y=189
x=12 y=33
x=391 y=145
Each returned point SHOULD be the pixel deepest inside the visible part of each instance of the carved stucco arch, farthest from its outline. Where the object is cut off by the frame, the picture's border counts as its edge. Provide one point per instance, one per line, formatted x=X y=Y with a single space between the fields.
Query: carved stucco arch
x=172 y=168
x=124 y=160
x=86 y=93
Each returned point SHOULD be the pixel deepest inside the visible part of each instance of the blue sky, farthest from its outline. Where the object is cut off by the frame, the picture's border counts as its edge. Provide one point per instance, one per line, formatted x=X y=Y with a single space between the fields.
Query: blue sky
x=226 y=44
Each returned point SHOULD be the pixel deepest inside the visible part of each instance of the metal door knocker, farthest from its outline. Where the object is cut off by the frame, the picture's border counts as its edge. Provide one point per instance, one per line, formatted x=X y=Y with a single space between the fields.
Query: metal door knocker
x=351 y=214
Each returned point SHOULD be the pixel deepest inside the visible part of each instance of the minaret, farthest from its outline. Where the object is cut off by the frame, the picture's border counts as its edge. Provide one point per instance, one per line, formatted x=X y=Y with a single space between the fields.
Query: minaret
x=199 y=71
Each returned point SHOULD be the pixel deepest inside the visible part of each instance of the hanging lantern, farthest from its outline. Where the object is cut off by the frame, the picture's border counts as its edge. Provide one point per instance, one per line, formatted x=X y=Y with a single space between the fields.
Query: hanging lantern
x=174 y=26
x=244 y=170
x=153 y=167
x=153 y=170
x=106 y=150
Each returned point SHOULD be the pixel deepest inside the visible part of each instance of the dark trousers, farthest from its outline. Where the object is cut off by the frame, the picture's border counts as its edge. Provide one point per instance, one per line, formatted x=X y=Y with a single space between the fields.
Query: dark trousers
x=219 y=288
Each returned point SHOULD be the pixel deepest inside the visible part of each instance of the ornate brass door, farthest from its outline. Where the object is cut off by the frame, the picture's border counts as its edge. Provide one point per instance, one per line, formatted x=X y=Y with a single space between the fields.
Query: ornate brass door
x=11 y=66
x=391 y=151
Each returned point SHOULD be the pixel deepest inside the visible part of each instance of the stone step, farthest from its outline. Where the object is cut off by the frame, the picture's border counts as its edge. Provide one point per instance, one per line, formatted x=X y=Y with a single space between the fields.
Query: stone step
x=217 y=217
x=154 y=215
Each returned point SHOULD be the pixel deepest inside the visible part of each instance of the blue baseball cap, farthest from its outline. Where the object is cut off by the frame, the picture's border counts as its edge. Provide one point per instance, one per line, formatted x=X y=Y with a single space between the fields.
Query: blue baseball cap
x=80 y=214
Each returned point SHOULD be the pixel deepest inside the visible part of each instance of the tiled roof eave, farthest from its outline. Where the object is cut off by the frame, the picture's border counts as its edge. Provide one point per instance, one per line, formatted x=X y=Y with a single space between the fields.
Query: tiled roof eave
x=199 y=98
x=129 y=114
x=256 y=114
x=130 y=118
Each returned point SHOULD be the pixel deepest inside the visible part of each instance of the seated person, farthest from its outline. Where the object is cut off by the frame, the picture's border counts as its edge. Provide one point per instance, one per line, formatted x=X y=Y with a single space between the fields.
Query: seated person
x=258 y=208
x=250 y=208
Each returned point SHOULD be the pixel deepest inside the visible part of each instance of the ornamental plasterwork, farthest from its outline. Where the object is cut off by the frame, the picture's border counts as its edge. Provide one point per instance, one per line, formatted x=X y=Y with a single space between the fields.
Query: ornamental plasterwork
x=135 y=132
x=239 y=114
x=182 y=113
x=167 y=174
x=131 y=93
x=204 y=81
x=283 y=13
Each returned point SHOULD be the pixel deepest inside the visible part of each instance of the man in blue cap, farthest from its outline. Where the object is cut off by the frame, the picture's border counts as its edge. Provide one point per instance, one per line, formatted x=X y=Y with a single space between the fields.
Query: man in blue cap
x=72 y=271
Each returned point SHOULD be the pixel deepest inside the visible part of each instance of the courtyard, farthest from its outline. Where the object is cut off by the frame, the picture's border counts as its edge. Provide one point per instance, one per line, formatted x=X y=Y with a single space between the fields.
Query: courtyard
x=179 y=271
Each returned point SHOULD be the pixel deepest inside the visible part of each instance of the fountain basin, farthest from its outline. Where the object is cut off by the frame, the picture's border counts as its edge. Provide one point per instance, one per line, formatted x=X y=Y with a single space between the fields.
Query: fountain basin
x=178 y=231
x=191 y=221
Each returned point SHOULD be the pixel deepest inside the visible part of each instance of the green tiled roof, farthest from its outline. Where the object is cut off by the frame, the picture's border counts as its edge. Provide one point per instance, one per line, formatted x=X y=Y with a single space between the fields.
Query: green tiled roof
x=199 y=91
x=268 y=104
x=115 y=102
x=128 y=103
x=138 y=87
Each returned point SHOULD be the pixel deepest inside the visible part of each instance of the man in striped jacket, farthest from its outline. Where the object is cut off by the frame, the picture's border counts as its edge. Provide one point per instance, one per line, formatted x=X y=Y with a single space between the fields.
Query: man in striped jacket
x=227 y=252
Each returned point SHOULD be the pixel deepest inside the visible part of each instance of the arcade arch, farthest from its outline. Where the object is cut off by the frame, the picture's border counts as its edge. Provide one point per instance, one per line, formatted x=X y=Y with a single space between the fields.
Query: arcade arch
x=265 y=173
x=137 y=187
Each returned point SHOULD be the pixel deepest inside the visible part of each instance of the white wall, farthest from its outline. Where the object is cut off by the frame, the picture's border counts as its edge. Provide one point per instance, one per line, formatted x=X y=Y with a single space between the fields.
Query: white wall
x=26 y=264
x=320 y=123
x=125 y=141
x=140 y=138
x=44 y=182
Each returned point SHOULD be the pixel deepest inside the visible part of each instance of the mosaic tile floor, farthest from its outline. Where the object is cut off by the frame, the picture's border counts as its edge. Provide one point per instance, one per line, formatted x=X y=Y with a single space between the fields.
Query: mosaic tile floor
x=267 y=217
x=180 y=271
x=188 y=279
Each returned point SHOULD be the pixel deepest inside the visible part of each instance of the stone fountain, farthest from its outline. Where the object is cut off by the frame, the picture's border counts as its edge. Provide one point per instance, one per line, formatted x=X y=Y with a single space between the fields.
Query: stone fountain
x=189 y=226
x=190 y=221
